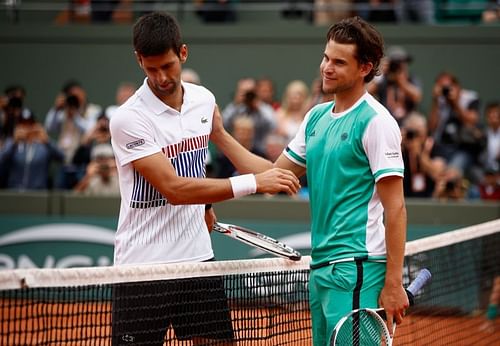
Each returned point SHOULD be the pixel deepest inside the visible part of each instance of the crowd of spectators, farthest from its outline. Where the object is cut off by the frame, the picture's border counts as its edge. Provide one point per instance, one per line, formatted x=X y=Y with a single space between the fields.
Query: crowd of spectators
x=318 y=12
x=451 y=153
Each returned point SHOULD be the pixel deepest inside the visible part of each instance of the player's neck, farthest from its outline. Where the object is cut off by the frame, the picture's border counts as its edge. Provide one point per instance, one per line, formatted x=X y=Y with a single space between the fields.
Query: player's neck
x=346 y=99
x=174 y=100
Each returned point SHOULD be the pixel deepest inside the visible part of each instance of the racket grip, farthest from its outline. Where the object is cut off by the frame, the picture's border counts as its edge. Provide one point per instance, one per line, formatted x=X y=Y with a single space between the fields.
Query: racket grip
x=422 y=278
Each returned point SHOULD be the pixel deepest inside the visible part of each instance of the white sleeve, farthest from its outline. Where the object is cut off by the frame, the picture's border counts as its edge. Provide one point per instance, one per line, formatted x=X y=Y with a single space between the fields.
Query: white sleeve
x=132 y=136
x=296 y=149
x=382 y=144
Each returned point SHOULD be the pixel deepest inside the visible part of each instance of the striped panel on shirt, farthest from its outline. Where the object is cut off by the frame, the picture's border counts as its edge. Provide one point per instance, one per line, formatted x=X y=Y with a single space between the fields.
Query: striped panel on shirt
x=187 y=158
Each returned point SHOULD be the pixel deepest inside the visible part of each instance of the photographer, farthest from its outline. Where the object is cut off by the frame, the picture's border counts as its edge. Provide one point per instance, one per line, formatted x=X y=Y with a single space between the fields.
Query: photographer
x=396 y=89
x=454 y=124
x=25 y=159
x=246 y=103
x=101 y=177
x=421 y=167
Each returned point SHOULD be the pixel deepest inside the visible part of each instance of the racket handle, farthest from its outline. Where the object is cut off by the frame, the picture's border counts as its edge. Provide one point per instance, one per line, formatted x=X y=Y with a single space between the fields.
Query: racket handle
x=422 y=278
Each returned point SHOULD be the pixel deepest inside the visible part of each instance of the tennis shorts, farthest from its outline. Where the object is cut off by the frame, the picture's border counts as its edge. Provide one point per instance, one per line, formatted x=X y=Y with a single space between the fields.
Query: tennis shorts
x=336 y=289
x=197 y=308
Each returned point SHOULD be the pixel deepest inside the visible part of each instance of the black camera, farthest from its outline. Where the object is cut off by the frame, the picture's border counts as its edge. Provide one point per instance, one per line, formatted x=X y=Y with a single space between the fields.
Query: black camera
x=72 y=101
x=394 y=66
x=411 y=134
x=451 y=185
x=446 y=91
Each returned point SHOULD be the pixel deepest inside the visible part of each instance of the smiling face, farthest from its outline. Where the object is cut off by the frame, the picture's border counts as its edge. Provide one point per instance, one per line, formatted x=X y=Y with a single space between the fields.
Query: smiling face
x=340 y=70
x=164 y=72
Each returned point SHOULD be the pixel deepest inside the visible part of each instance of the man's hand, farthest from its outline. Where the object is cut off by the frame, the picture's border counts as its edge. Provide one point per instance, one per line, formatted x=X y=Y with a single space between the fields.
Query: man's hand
x=394 y=300
x=277 y=180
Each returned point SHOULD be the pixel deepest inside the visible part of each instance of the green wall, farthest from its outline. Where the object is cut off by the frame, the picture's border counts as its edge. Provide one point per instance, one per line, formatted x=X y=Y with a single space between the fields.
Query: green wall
x=43 y=56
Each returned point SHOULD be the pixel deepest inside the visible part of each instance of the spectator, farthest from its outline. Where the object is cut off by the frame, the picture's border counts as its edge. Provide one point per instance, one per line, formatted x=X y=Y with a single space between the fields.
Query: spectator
x=492 y=12
x=294 y=106
x=381 y=11
x=216 y=11
x=244 y=133
x=25 y=159
x=67 y=126
x=453 y=122
x=317 y=94
x=266 y=91
x=328 y=12
x=12 y=109
x=88 y=111
x=246 y=103
x=450 y=185
x=421 y=168
x=99 y=134
x=190 y=76
x=489 y=188
x=397 y=89
x=101 y=178
x=492 y=153
x=417 y=11
x=123 y=92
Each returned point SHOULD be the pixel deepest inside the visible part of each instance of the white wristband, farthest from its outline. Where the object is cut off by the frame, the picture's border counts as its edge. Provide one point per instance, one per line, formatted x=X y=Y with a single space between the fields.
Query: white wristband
x=243 y=185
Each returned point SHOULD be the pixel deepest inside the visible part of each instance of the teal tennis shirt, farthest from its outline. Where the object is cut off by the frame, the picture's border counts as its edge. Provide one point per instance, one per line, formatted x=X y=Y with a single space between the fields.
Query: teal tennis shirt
x=345 y=154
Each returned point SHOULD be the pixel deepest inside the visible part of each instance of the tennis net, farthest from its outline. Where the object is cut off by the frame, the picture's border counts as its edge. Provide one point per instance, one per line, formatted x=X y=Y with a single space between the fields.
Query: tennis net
x=245 y=302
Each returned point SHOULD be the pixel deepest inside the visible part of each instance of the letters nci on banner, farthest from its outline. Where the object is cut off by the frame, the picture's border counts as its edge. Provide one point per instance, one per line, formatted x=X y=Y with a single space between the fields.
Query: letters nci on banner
x=59 y=245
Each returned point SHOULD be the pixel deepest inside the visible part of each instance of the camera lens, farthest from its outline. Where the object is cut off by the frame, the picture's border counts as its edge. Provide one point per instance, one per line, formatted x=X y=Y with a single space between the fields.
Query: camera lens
x=446 y=91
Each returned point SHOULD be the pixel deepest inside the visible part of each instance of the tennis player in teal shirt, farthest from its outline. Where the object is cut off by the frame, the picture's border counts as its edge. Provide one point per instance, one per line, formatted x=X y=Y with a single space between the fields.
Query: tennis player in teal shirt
x=351 y=151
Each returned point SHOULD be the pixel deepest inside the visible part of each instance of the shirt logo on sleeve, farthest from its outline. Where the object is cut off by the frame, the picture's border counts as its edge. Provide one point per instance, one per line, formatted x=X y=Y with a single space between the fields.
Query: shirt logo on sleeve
x=391 y=154
x=204 y=120
x=136 y=143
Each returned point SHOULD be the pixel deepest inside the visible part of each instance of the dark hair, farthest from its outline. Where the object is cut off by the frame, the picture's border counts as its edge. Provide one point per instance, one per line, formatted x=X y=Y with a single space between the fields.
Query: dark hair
x=70 y=84
x=156 y=33
x=368 y=41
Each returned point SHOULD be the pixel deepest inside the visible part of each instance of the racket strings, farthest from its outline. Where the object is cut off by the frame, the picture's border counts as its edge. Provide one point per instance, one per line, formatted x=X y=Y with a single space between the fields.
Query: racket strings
x=362 y=329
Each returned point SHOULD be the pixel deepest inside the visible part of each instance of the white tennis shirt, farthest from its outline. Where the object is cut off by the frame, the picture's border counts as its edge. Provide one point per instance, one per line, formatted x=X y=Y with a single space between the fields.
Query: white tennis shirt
x=150 y=229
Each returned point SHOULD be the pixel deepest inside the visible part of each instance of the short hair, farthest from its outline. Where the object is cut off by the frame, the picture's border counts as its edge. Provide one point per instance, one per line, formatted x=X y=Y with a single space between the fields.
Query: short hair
x=369 y=42
x=156 y=33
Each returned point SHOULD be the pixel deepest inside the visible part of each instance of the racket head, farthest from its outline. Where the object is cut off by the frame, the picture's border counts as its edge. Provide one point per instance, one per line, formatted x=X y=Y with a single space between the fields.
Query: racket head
x=361 y=327
x=257 y=240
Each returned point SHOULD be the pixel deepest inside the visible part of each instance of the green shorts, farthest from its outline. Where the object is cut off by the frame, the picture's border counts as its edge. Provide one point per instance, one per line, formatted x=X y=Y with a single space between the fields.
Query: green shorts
x=336 y=289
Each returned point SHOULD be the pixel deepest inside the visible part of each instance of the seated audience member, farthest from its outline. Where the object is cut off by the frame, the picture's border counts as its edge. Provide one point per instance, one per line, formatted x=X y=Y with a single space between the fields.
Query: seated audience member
x=99 y=134
x=293 y=108
x=331 y=11
x=190 y=76
x=492 y=12
x=216 y=11
x=246 y=103
x=244 y=133
x=25 y=159
x=123 y=92
x=101 y=177
x=421 y=168
x=266 y=91
x=450 y=185
x=489 y=187
x=492 y=153
x=397 y=89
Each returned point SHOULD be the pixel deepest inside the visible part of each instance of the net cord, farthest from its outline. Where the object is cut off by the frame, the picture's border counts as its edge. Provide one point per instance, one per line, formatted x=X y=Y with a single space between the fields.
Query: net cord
x=54 y=277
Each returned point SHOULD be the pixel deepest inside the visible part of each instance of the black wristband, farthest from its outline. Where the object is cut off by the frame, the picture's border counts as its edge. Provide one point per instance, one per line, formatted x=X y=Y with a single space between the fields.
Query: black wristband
x=208 y=206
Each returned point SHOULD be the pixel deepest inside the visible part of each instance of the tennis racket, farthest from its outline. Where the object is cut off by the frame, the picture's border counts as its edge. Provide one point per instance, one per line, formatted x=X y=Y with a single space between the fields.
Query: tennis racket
x=257 y=240
x=367 y=327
